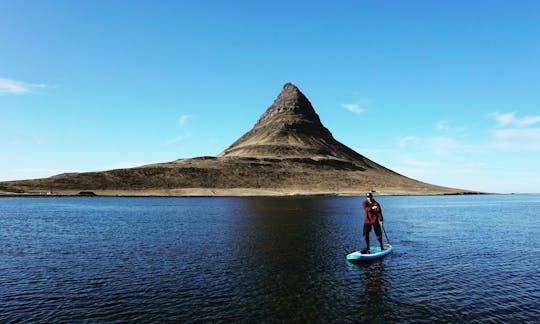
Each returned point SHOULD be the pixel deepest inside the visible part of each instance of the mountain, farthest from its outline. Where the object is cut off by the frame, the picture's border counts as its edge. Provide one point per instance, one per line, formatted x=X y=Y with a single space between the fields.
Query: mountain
x=288 y=151
x=290 y=128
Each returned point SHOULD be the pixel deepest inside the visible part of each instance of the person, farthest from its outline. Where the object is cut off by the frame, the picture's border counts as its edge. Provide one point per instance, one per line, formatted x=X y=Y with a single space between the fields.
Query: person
x=373 y=215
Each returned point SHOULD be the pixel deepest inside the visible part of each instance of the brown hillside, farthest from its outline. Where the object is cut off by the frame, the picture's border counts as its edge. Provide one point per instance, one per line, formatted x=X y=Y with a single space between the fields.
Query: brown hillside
x=288 y=151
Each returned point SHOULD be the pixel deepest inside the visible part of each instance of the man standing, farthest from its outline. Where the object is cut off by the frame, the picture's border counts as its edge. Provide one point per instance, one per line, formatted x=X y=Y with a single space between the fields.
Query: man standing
x=373 y=215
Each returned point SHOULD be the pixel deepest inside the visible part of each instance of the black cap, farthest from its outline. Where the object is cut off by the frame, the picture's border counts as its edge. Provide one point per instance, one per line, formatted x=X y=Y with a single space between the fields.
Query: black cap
x=369 y=195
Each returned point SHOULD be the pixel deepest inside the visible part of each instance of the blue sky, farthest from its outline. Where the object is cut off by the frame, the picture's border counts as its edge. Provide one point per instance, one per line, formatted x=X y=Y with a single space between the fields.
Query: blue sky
x=446 y=92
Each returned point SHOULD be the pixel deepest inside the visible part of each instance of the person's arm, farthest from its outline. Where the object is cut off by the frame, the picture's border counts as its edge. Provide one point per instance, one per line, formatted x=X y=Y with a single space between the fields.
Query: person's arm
x=379 y=213
x=366 y=206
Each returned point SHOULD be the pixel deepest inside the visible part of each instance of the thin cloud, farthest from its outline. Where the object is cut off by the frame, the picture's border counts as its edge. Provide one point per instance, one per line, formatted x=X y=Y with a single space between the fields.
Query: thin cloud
x=404 y=141
x=529 y=120
x=518 y=134
x=503 y=119
x=510 y=119
x=442 y=146
x=499 y=140
x=516 y=139
x=420 y=164
x=355 y=108
x=463 y=161
x=183 y=120
x=449 y=126
x=8 y=86
x=179 y=139
x=443 y=125
x=514 y=133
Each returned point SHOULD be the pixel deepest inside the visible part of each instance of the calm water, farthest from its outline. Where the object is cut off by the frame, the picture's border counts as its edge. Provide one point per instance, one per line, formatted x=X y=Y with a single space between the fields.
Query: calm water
x=470 y=258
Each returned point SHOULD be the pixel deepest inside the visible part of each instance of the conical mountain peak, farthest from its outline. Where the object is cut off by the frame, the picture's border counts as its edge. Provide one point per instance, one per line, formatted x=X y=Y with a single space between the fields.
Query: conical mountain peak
x=292 y=102
x=289 y=88
x=290 y=128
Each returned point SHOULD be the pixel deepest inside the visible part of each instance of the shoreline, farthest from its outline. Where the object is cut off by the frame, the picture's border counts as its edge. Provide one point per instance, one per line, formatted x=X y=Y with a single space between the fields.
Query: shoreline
x=230 y=193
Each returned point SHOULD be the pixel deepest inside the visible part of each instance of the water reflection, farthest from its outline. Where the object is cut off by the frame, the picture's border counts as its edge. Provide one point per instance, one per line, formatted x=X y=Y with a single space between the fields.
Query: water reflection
x=374 y=286
x=371 y=290
x=288 y=238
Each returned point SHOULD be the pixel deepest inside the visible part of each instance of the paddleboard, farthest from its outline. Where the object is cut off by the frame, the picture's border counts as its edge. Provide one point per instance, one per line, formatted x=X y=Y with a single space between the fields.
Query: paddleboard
x=375 y=253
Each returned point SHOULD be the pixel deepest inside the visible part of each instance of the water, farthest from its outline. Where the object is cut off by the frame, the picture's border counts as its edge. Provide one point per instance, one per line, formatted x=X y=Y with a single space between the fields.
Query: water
x=456 y=259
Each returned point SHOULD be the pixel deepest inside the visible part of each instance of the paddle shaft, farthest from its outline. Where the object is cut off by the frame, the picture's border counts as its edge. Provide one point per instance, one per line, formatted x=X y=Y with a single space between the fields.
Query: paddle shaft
x=382 y=226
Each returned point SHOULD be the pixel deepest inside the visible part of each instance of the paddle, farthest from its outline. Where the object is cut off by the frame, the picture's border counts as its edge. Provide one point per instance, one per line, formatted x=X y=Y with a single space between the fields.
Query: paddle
x=382 y=226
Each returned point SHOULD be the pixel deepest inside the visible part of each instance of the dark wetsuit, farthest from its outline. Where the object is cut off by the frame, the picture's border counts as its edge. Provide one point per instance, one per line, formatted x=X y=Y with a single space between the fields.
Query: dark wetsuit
x=371 y=219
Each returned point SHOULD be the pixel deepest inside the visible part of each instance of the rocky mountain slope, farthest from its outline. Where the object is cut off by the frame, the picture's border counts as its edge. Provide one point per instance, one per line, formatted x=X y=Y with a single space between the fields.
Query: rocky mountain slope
x=287 y=152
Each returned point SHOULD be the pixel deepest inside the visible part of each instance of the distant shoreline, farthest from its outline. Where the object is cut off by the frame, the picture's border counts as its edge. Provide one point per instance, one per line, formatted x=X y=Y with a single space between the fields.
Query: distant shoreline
x=246 y=195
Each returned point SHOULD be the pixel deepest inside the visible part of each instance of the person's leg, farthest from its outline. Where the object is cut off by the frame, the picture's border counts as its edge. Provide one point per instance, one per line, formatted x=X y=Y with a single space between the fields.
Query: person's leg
x=377 y=230
x=367 y=229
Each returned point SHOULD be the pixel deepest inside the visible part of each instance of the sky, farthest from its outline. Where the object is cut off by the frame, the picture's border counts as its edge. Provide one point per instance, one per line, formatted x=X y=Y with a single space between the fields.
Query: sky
x=446 y=92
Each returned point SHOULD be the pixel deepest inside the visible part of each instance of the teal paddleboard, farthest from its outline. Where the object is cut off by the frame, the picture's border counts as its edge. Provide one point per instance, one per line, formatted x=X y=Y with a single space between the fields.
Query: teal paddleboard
x=374 y=254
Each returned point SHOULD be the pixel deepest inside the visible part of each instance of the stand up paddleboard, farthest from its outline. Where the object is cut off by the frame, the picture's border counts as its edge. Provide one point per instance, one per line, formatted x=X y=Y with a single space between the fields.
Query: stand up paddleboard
x=374 y=254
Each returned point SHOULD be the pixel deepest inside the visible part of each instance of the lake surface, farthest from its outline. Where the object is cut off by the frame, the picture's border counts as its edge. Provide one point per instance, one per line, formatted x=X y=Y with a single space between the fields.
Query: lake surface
x=456 y=259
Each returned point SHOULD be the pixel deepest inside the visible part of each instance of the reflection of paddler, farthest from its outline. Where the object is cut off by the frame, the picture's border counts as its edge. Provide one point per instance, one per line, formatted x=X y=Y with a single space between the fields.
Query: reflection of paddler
x=373 y=215
x=374 y=288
